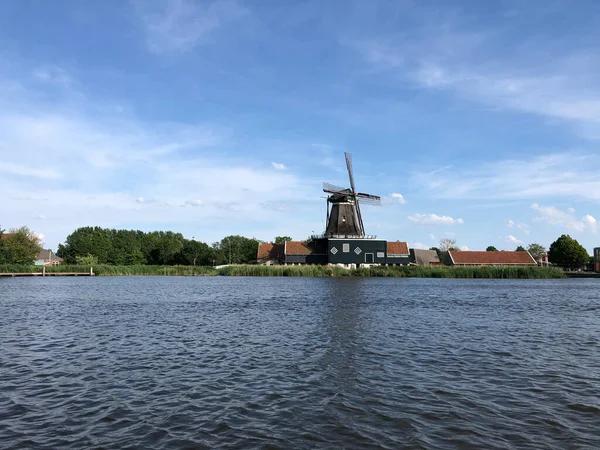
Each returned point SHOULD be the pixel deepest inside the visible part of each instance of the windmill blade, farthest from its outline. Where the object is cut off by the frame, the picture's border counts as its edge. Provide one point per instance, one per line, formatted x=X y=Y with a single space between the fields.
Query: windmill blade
x=361 y=226
x=363 y=195
x=349 y=167
x=333 y=189
x=369 y=201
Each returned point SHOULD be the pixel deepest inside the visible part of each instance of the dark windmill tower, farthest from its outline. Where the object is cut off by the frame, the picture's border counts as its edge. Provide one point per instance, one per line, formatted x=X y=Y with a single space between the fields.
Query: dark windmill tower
x=347 y=243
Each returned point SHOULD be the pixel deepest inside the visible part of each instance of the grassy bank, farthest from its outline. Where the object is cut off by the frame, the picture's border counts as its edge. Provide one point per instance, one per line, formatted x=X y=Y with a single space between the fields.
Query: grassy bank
x=396 y=272
x=308 y=271
x=108 y=270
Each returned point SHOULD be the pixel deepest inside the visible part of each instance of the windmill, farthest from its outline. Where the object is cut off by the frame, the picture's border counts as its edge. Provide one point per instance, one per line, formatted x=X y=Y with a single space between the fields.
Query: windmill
x=343 y=207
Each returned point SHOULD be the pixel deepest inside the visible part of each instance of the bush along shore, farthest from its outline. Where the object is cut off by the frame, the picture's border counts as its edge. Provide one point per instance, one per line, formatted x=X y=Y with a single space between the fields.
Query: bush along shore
x=303 y=271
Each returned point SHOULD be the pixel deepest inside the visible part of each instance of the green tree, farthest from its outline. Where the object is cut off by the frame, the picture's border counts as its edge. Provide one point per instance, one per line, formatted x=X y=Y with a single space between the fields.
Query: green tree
x=3 y=256
x=537 y=251
x=282 y=239
x=491 y=248
x=196 y=253
x=94 y=241
x=520 y=248
x=22 y=247
x=567 y=252
x=236 y=250
x=87 y=260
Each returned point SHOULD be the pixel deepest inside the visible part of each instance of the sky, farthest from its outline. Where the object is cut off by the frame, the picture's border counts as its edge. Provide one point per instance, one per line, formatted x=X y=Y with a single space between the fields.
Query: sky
x=475 y=121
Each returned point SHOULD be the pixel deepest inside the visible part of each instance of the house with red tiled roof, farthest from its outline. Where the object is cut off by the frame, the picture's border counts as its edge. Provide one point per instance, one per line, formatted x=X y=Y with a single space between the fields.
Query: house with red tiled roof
x=328 y=251
x=484 y=258
x=305 y=252
x=397 y=253
x=7 y=235
x=270 y=253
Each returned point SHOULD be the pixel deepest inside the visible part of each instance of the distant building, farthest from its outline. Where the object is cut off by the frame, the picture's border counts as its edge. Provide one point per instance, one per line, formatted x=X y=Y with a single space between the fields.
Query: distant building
x=8 y=235
x=346 y=252
x=597 y=259
x=397 y=254
x=47 y=258
x=483 y=258
x=269 y=253
x=422 y=257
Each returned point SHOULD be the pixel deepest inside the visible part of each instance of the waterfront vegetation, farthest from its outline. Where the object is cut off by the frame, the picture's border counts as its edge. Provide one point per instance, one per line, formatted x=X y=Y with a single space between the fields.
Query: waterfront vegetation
x=304 y=271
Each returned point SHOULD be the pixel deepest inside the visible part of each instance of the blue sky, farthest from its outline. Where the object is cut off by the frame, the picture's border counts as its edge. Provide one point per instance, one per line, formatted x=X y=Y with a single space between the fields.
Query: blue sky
x=478 y=121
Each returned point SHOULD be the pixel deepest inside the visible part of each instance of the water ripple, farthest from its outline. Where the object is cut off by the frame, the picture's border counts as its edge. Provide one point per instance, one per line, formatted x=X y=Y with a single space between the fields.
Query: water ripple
x=285 y=363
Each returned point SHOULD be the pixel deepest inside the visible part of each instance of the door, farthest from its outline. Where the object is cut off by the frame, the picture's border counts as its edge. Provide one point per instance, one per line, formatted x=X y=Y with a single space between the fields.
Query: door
x=369 y=259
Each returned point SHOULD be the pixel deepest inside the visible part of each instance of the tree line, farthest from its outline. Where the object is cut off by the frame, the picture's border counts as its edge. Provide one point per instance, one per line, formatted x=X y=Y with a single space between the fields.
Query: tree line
x=96 y=245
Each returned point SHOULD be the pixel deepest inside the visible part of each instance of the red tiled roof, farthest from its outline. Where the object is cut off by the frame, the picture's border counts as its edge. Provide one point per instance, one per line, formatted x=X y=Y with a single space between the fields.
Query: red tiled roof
x=492 y=258
x=7 y=235
x=397 y=248
x=296 y=248
x=269 y=251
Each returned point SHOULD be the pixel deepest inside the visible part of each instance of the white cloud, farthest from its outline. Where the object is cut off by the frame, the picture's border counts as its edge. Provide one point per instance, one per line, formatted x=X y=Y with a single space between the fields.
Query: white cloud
x=181 y=25
x=42 y=217
x=99 y=166
x=444 y=53
x=194 y=203
x=434 y=219
x=278 y=166
x=518 y=225
x=432 y=236
x=419 y=245
x=554 y=216
x=513 y=240
x=399 y=198
x=464 y=248
x=558 y=175
x=590 y=222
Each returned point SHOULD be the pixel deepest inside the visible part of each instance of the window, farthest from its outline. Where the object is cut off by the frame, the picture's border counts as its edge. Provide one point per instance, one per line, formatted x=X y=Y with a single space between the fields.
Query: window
x=346 y=248
x=333 y=250
x=357 y=250
x=380 y=254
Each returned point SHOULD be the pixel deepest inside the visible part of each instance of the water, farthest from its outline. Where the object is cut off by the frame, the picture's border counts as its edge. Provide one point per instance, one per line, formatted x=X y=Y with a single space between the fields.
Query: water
x=169 y=362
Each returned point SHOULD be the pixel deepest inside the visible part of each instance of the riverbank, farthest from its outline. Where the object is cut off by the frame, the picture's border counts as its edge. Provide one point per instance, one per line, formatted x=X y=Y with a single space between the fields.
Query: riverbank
x=303 y=271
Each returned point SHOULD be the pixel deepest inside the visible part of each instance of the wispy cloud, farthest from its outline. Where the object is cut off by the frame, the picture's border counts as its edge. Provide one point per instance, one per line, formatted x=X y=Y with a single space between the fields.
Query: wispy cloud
x=434 y=219
x=278 y=166
x=53 y=75
x=566 y=219
x=194 y=203
x=518 y=225
x=446 y=54
x=28 y=171
x=181 y=25
x=558 y=175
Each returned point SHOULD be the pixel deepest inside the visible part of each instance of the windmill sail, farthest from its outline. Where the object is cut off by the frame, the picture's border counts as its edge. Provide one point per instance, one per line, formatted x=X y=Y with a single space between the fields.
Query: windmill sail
x=344 y=218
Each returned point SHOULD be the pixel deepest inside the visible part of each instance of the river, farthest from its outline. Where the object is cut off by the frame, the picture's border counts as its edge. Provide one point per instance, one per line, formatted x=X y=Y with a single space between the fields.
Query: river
x=209 y=362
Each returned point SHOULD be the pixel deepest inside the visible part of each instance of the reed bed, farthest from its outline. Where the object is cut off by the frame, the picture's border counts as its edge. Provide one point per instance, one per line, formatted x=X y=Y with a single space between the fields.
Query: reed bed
x=506 y=272
x=109 y=270
x=395 y=272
